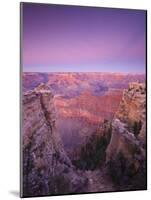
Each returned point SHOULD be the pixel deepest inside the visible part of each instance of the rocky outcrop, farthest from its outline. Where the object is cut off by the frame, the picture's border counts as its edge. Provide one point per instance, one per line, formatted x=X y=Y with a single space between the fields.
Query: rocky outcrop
x=132 y=109
x=123 y=141
x=47 y=169
x=126 y=152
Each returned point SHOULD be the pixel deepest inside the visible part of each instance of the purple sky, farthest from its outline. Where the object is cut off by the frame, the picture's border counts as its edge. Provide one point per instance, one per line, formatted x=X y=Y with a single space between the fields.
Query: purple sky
x=69 y=38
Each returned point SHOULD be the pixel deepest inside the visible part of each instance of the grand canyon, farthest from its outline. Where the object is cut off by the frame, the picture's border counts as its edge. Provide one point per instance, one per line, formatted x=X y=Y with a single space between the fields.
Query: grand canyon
x=83 y=99
x=83 y=132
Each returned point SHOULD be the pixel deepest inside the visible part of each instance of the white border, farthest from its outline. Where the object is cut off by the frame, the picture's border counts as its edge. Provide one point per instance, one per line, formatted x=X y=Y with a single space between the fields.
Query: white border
x=9 y=97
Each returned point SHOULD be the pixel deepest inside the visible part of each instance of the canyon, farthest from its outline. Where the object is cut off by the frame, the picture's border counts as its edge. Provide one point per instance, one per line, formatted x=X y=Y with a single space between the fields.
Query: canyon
x=77 y=99
x=81 y=128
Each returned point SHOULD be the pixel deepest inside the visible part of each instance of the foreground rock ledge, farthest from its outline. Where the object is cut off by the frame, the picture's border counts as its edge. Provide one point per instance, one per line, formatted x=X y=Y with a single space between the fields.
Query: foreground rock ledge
x=47 y=169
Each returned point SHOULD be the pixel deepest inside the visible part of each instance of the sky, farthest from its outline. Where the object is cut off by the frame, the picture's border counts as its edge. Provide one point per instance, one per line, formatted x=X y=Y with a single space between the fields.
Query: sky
x=82 y=39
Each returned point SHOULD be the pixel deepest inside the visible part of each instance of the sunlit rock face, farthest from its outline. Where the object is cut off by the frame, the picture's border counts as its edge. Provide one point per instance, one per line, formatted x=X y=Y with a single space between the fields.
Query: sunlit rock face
x=126 y=152
x=132 y=106
x=46 y=167
x=132 y=109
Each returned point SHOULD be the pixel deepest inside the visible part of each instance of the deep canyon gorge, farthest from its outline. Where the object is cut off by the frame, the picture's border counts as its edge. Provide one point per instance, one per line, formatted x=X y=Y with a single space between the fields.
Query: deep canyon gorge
x=83 y=132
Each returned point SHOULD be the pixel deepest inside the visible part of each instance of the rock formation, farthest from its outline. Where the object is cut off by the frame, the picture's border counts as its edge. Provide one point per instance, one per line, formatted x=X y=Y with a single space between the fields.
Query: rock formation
x=126 y=152
x=132 y=109
x=47 y=169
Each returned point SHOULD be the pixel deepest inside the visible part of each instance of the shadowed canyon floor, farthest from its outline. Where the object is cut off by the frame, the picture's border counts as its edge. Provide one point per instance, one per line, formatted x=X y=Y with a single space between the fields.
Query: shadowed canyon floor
x=99 y=181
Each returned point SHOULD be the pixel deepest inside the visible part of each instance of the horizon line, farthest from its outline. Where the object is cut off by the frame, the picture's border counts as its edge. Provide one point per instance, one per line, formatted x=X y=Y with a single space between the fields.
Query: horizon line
x=107 y=72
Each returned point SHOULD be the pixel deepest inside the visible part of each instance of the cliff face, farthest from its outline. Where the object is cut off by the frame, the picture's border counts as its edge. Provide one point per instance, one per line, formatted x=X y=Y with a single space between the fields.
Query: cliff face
x=125 y=154
x=46 y=167
x=132 y=109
